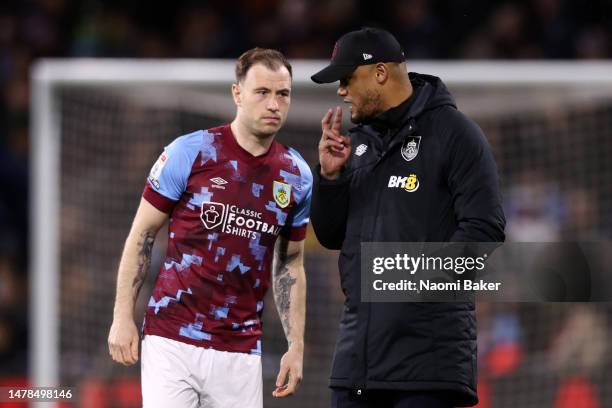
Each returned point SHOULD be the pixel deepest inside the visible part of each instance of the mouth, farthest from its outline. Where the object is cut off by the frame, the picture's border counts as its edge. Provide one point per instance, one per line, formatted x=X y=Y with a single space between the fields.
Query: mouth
x=350 y=103
x=271 y=119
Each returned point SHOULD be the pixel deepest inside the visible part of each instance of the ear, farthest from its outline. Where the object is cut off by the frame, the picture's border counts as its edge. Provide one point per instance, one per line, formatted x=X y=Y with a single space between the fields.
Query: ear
x=381 y=72
x=236 y=94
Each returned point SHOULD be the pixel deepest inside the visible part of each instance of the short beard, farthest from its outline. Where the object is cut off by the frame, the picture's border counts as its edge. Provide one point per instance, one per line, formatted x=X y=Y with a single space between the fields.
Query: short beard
x=372 y=106
x=263 y=135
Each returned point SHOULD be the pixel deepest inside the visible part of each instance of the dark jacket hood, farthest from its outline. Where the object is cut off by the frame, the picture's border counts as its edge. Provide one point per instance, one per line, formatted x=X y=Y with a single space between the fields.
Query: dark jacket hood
x=434 y=92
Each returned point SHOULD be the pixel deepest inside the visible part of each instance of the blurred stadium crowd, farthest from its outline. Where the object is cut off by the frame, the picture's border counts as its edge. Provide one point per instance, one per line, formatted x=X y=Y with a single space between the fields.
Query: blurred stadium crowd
x=458 y=29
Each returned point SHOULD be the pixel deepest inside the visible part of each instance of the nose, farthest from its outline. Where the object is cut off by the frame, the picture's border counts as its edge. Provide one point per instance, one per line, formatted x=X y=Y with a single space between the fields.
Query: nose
x=341 y=91
x=273 y=104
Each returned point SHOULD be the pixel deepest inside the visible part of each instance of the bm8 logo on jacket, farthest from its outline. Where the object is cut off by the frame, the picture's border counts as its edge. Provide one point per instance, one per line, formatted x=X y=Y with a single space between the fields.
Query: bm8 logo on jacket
x=410 y=183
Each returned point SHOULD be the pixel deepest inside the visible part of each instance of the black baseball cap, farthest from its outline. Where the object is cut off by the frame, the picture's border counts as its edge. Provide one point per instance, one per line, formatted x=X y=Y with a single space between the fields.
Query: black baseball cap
x=362 y=47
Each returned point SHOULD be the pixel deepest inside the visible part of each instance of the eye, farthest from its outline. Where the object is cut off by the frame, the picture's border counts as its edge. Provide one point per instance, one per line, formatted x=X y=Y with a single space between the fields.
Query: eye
x=261 y=92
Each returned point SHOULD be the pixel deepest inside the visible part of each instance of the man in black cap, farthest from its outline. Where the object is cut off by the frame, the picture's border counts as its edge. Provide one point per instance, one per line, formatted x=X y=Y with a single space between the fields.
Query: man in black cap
x=414 y=169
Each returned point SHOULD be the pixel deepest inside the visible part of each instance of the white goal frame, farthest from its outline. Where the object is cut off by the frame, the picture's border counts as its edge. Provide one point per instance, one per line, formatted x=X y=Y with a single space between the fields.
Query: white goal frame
x=49 y=75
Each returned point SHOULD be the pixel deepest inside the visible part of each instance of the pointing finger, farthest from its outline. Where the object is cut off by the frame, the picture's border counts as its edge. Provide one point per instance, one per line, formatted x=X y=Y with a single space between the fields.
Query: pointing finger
x=337 y=120
x=326 y=120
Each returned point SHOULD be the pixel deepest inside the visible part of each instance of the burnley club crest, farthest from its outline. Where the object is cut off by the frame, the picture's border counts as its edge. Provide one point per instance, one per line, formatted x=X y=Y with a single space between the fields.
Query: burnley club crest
x=282 y=193
x=410 y=147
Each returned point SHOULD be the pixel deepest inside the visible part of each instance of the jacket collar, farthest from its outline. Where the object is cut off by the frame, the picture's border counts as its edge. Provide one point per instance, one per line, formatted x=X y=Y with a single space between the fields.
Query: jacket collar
x=395 y=118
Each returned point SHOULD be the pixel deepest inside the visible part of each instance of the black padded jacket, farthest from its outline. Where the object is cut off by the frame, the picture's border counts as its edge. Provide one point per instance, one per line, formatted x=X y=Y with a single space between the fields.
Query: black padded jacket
x=409 y=346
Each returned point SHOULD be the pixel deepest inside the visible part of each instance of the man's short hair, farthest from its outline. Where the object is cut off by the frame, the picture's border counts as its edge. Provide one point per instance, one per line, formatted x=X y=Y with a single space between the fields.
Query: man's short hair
x=271 y=59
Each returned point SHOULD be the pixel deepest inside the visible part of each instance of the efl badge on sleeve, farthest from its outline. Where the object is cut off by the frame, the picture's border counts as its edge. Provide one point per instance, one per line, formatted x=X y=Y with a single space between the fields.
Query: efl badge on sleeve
x=410 y=147
x=157 y=169
x=282 y=193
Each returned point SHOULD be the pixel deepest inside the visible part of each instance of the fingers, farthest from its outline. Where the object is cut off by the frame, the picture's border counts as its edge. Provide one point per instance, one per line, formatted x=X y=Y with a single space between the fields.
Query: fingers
x=282 y=375
x=337 y=122
x=135 y=350
x=281 y=388
x=126 y=354
x=332 y=144
x=112 y=351
x=346 y=141
x=117 y=355
x=287 y=389
x=325 y=122
x=280 y=392
x=294 y=381
x=287 y=381
x=332 y=120
x=331 y=138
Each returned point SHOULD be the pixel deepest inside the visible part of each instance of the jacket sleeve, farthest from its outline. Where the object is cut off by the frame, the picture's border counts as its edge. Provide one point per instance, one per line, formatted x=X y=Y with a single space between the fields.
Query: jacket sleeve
x=474 y=185
x=329 y=208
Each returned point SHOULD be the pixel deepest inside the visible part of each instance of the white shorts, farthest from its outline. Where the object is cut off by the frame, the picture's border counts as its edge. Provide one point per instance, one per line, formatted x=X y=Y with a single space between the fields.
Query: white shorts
x=180 y=375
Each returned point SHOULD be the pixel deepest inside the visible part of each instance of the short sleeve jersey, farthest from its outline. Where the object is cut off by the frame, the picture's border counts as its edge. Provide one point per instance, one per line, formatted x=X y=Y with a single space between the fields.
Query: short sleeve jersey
x=227 y=208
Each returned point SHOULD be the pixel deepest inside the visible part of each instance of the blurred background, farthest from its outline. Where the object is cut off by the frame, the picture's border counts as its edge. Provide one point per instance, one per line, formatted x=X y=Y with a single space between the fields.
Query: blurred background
x=553 y=147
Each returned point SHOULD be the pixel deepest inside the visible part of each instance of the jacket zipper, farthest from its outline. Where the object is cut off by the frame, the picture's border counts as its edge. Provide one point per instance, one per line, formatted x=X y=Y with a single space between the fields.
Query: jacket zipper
x=371 y=236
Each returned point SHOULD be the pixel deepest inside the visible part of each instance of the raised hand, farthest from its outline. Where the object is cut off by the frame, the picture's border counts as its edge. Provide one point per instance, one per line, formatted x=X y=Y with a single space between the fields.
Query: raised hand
x=334 y=149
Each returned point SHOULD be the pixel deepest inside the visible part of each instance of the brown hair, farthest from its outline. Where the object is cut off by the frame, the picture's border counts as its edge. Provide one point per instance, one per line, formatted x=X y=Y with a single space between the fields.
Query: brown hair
x=271 y=59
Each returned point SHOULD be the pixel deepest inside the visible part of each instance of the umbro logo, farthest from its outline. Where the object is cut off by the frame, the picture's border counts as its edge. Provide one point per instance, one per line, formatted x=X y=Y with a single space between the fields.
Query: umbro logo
x=367 y=56
x=219 y=182
x=361 y=149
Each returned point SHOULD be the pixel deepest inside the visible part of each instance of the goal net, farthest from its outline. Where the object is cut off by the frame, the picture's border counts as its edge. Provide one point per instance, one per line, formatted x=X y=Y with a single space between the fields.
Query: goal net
x=99 y=125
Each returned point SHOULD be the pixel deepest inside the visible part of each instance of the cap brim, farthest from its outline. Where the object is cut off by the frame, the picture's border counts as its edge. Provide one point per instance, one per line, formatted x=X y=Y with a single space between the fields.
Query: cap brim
x=332 y=73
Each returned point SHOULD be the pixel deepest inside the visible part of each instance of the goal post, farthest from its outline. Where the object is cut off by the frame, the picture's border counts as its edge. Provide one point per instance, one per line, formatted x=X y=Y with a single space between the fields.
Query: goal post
x=44 y=238
x=162 y=98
